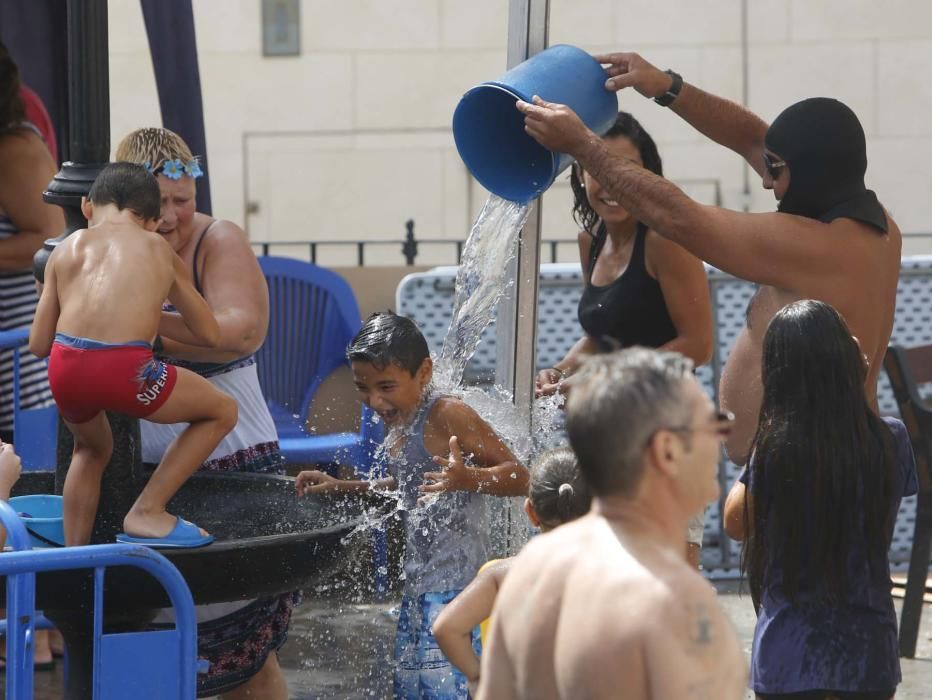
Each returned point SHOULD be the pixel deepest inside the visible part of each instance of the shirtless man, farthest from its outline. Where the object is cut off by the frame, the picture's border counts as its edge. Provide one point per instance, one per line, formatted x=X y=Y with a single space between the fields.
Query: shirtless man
x=100 y=308
x=607 y=606
x=830 y=239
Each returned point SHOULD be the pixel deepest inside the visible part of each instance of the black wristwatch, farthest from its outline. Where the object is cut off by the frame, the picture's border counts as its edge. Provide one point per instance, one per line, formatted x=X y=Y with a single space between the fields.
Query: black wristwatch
x=666 y=99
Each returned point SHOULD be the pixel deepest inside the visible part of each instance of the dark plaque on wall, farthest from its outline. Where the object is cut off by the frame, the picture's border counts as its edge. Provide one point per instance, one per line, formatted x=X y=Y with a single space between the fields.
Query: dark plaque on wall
x=281 y=27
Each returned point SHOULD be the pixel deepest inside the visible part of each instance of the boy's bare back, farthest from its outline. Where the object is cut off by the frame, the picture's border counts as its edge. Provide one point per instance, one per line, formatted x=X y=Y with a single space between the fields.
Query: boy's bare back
x=111 y=281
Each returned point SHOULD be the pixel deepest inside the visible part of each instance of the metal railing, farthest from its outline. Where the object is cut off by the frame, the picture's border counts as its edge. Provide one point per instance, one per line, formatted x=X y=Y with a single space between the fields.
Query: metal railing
x=409 y=247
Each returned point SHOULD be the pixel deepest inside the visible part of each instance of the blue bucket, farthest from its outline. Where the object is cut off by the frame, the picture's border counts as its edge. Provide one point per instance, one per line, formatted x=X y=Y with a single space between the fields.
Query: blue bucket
x=43 y=517
x=489 y=130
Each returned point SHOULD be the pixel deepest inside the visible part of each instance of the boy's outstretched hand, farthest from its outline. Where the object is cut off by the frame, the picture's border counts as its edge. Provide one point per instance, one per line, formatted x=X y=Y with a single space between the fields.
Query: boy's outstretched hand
x=313 y=481
x=10 y=469
x=454 y=474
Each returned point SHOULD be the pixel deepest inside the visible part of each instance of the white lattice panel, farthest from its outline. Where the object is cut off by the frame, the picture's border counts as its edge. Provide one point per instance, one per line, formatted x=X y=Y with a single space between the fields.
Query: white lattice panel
x=428 y=298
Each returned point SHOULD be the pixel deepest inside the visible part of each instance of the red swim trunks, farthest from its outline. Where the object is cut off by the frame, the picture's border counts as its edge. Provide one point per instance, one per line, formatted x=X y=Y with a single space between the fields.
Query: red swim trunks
x=88 y=376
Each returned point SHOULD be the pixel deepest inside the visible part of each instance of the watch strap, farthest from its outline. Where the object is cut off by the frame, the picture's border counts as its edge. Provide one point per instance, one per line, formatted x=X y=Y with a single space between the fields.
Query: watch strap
x=666 y=99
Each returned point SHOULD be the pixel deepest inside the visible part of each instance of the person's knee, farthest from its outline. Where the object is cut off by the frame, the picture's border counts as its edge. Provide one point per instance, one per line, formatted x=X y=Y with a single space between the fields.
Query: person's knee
x=227 y=412
x=97 y=451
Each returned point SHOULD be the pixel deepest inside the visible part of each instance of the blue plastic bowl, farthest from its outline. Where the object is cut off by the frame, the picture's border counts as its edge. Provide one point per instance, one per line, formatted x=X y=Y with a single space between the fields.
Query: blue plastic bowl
x=42 y=514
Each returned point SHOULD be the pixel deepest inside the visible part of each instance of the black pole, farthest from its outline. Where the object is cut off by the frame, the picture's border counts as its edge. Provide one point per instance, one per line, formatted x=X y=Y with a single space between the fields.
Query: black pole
x=89 y=118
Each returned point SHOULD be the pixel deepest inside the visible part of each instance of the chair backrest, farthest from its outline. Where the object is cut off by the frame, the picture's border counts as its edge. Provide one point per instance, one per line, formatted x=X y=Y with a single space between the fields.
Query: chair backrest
x=908 y=369
x=313 y=315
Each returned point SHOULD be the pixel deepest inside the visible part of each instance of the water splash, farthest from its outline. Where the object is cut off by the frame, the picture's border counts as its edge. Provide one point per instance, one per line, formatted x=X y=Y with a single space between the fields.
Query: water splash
x=481 y=281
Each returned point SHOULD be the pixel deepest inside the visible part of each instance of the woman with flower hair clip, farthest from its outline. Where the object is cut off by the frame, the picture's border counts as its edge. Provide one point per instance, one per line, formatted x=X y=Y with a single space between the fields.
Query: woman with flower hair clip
x=241 y=643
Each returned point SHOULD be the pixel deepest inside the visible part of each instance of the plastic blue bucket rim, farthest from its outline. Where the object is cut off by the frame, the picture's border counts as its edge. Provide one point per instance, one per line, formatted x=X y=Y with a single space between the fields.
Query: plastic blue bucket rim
x=33 y=523
x=490 y=132
x=471 y=156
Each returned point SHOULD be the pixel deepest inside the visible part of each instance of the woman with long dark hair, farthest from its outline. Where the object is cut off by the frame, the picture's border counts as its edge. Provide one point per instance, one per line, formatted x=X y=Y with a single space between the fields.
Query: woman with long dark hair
x=640 y=288
x=816 y=508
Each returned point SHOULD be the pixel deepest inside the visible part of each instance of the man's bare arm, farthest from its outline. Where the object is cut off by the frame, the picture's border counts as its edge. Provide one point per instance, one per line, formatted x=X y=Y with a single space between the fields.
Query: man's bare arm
x=725 y=122
x=777 y=249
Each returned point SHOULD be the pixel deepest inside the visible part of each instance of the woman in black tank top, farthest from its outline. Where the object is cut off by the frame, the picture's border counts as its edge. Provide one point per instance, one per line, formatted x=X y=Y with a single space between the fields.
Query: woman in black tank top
x=640 y=289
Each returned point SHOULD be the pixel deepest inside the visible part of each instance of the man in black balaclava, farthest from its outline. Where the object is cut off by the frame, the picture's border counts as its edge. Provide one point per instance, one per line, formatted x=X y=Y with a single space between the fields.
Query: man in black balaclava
x=822 y=143
x=830 y=239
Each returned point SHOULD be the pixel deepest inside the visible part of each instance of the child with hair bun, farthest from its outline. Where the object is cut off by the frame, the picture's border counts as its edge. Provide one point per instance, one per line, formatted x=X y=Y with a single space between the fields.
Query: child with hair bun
x=557 y=495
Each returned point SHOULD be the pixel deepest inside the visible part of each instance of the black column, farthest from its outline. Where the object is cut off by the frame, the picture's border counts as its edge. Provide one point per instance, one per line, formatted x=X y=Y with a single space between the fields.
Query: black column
x=35 y=34
x=173 y=46
x=88 y=144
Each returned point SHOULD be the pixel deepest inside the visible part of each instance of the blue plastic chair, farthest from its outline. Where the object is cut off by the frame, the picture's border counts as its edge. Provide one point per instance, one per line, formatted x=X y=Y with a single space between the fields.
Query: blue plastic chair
x=149 y=665
x=313 y=316
x=36 y=428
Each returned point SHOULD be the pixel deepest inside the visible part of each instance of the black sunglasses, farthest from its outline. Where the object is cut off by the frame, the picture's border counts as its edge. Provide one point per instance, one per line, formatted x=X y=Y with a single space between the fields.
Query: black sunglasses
x=773 y=167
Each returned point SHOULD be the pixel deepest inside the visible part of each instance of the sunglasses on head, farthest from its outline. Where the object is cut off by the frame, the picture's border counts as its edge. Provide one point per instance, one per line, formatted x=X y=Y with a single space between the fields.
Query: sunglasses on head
x=772 y=166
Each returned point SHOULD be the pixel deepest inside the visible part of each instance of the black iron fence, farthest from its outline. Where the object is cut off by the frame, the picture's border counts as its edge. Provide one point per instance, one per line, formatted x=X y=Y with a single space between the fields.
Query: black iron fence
x=409 y=247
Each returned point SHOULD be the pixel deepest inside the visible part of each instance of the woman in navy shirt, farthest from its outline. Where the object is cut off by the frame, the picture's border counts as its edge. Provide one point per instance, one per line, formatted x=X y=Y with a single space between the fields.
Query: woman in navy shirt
x=816 y=508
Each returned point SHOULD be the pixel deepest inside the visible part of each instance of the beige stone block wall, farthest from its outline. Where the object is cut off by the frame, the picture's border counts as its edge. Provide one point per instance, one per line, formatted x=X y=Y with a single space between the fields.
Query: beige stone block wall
x=352 y=138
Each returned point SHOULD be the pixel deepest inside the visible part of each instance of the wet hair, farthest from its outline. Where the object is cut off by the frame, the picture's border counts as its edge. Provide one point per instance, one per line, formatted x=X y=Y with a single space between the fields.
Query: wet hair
x=646 y=388
x=128 y=186
x=818 y=444
x=12 y=109
x=389 y=339
x=154 y=146
x=628 y=127
x=558 y=491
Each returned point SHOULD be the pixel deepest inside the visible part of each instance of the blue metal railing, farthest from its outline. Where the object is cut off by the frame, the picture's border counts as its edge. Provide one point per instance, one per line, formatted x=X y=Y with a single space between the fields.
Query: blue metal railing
x=20 y=568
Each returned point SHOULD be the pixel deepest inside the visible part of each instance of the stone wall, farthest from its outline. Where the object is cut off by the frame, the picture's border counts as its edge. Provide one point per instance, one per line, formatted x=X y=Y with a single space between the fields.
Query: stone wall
x=351 y=138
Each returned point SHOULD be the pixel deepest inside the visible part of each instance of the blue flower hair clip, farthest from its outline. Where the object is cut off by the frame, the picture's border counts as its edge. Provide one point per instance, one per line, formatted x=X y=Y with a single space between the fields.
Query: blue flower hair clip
x=173 y=169
x=193 y=168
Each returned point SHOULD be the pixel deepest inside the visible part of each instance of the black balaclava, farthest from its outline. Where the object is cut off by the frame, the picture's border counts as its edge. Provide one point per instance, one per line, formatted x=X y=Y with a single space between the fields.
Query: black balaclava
x=823 y=143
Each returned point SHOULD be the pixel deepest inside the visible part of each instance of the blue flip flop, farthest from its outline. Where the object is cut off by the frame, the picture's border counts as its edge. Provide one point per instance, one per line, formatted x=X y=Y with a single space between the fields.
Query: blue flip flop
x=184 y=535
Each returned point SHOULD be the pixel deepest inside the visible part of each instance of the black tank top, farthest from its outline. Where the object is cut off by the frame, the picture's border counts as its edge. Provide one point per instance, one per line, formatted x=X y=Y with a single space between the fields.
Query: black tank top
x=629 y=311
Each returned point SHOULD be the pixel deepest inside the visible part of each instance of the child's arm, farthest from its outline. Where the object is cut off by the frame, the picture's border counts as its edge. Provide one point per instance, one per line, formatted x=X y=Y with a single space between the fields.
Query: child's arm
x=454 y=625
x=314 y=481
x=195 y=323
x=44 y=323
x=497 y=471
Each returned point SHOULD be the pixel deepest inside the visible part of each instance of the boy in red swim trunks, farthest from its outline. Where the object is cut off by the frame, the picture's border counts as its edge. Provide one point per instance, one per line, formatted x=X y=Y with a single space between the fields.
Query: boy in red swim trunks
x=100 y=308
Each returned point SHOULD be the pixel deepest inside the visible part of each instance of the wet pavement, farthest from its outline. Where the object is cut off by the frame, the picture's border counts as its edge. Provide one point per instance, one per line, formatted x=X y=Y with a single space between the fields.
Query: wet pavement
x=340 y=649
